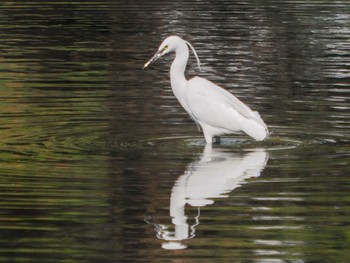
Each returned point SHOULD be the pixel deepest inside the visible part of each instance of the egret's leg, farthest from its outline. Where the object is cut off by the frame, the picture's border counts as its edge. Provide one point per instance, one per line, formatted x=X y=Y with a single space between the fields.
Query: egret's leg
x=208 y=137
x=217 y=139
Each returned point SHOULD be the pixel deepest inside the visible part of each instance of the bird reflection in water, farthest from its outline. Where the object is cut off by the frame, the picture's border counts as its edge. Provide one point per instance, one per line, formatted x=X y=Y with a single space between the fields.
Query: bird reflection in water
x=214 y=175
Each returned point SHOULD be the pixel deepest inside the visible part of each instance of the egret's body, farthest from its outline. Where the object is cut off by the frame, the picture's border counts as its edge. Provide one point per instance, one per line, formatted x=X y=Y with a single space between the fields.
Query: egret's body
x=214 y=109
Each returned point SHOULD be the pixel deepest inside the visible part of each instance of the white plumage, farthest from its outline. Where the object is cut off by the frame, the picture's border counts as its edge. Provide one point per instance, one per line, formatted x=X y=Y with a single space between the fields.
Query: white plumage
x=213 y=108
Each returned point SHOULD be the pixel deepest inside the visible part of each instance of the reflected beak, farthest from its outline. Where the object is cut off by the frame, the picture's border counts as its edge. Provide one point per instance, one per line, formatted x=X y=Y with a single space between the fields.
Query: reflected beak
x=154 y=58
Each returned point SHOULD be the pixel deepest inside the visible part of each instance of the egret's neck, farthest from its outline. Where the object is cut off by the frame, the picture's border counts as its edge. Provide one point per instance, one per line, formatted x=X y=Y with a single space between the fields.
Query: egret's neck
x=177 y=70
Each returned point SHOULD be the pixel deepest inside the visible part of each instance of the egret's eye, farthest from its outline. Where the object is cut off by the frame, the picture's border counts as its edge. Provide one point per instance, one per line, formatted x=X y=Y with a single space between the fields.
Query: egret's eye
x=165 y=47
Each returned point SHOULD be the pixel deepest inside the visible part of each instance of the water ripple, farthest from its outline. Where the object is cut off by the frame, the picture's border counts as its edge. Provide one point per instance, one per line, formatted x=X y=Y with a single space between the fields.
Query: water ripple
x=90 y=143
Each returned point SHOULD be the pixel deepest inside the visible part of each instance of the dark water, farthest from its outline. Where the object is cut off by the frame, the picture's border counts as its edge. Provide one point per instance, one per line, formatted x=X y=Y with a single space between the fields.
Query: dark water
x=99 y=163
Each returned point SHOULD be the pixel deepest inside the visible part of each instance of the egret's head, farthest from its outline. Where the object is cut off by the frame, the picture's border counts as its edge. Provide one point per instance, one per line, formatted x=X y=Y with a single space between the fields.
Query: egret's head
x=168 y=45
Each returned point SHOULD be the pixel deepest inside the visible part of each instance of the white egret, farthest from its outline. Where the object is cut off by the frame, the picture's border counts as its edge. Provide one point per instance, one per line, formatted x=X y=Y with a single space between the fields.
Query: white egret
x=214 y=109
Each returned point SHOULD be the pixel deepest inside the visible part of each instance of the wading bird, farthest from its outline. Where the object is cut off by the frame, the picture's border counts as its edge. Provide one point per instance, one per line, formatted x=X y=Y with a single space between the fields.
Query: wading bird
x=213 y=108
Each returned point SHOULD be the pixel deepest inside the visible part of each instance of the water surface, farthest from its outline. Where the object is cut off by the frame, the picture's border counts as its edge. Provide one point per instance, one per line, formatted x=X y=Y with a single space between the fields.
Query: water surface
x=99 y=163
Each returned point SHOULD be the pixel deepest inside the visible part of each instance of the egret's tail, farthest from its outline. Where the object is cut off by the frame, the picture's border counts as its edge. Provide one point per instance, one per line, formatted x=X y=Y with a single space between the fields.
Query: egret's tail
x=255 y=127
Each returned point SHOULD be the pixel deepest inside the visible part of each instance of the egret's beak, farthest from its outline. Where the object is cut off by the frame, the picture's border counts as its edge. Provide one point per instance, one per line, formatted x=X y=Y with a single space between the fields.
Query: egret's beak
x=154 y=58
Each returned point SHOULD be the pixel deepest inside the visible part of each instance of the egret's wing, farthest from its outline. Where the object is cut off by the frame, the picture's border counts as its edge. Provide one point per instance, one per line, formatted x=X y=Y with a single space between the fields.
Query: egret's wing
x=217 y=107
x=205 y=87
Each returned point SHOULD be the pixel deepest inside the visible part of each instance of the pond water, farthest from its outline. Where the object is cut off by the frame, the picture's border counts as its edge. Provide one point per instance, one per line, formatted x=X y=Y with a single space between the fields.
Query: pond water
x=99 y=163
